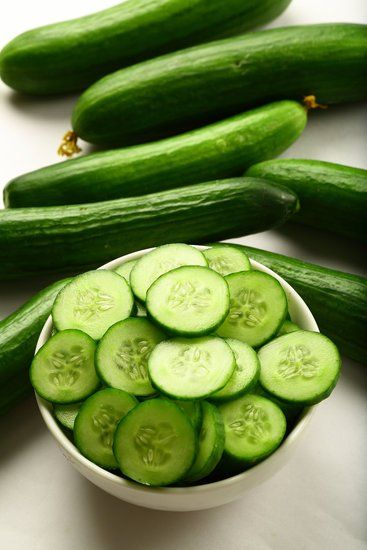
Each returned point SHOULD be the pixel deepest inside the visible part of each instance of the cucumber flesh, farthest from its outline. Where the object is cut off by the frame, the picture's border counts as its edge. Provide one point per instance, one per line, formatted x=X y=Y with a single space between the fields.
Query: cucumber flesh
x=254 y=428
x=301 y=367
x=155 y=444
x=96 y=423
x=66 y=414
x=124 y=270
x=194 y=411
x=245 y=375
x=160 y=260
x=123 y=352
x=258 y=307
x=287 y=327
x=226 y=259
x=92 y=302
x=211 y=444
x=192 y=368
x=63 y=371
x=189 y=301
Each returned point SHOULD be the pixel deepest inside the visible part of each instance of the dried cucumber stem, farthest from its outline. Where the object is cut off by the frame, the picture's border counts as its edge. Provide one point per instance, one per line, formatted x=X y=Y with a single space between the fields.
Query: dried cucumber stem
x=310 y=102
x=69 y=145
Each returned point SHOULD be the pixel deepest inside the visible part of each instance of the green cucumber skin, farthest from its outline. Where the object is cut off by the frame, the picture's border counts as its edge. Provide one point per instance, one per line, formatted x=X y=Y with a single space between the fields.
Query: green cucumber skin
x=19 y=333
x=189 y=88
x=75 y=238
x=338 y=300
x=333 y=197
x=71 y=55
x=220 y=150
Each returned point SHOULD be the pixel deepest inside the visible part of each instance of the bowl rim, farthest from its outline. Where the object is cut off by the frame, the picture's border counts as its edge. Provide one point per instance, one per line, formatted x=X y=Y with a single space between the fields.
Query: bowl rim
x=66 y=444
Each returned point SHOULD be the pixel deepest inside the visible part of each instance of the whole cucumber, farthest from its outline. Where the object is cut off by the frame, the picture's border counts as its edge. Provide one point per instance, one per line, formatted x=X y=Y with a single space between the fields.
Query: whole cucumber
x=71 y=55
x=73 y=238
x=201 y=84
x=333 y=197
x=19 y=333
x=221 y=150
x=338 y=300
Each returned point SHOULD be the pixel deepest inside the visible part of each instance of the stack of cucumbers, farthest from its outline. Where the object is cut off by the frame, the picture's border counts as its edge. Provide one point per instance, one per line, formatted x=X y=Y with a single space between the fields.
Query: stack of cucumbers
x=184 y=365
x=201 y=378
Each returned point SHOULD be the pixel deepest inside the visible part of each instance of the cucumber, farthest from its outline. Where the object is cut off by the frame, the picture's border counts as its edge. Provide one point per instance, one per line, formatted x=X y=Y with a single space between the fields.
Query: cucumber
x=63 y=371
x=19 y=333
x=189 y=88
x=211 y=444
x=338 y=300
x=96 y=423
x=122 y=355
x=220 y=150
x=254 y=428
x=194 y=411
x=287 y=327
x=189 y=301
x=68 y=56
x=66 y=414
x=333 y=197
x=301 y=368
x=245 y=375
x=258 y=307
x=155 y=443
x=226 y=260
x=92 y=302
x=160 y=260
x=72 y=238
x=125 y=269
x=191 y=368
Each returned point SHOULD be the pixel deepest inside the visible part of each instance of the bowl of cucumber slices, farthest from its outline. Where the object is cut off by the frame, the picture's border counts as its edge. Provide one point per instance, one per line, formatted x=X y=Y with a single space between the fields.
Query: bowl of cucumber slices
x=178 y=378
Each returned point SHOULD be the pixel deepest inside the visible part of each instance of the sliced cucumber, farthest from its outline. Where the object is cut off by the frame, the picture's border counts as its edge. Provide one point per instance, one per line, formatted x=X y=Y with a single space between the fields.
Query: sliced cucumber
x=301 y=367
x=226 y=259
x=96 y=423
x=245 y=375
x=211 y=444
x=123 y=352
x=92 y=302
x=258 y=307
x=66 y=414
x=140 y=310
x=160 y=260
x=62 y=371
x=194 y=411
x=254 y=427
x=287 y=327
x=193 y=368
x=189 y=301
x=125 y=269
x=155 y=443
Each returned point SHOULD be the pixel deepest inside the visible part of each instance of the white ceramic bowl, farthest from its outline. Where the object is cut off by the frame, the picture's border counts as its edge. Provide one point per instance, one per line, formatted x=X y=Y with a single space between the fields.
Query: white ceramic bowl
x=187 y=498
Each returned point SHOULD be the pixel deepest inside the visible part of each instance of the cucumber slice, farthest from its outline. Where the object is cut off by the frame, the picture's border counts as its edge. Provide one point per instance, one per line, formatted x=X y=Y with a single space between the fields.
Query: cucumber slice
x=211 y=444
x=189 y=301
x=161 y=260
x=194 y=411
x=140 y=310
x=254 y=427
x=155 y=443
x=124 y=270
x=66 y=414
x=191 y=368
x=245 y=375
x=62 y=371
x=92 y=302
x=258 y=307
x=96 y=423
x=226 y=259
x=301 y=367
x=123 y=352
x=287 y=327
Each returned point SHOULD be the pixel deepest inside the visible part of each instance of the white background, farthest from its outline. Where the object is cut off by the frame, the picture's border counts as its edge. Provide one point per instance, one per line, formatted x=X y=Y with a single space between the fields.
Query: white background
x=319 y=500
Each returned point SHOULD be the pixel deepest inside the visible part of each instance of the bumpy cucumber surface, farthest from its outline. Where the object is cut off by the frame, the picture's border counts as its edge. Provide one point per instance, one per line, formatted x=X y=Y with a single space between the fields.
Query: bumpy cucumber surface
x=70 y=55
x=220 y=150
x=332 y=196
x=338 y=300
x=73 y=238
x=19 y=333
x=191 y=87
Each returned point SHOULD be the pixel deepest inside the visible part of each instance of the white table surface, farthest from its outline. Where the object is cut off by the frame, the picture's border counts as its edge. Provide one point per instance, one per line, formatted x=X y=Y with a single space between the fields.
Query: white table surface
x=319 y=499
